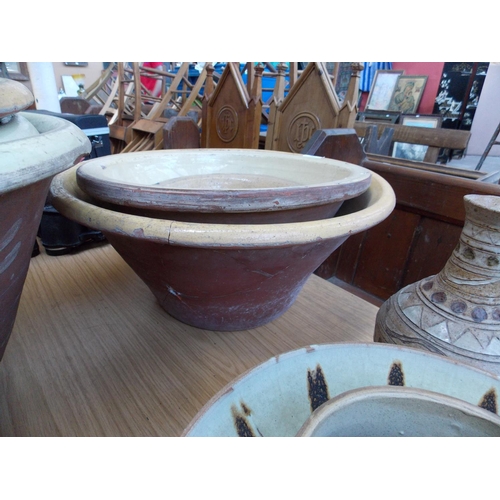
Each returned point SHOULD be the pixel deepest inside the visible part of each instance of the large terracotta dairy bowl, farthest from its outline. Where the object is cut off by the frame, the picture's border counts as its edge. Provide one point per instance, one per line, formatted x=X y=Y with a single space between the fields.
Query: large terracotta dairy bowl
x=223 y=276
x=222 y=185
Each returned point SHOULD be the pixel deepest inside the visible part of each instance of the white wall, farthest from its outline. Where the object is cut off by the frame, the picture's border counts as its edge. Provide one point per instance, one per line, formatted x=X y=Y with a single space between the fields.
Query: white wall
x=487 y=115
x=43 y=85
x=92 y=72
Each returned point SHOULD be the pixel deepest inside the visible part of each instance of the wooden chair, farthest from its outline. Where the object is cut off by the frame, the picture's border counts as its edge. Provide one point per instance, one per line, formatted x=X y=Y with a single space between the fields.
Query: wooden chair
x=283 y=75
x=181 y=132
x=182 y=96
x=94 y=92
x=123 y=107
x=138 y=117
x=78 y=106
x=98 y=93
x=311 y=104
x=231 y=116
x=349 y=107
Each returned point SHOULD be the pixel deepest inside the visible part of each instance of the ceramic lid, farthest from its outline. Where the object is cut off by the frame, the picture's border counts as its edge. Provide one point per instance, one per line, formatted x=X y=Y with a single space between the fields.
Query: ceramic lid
x=14 y=97
x=55 y=145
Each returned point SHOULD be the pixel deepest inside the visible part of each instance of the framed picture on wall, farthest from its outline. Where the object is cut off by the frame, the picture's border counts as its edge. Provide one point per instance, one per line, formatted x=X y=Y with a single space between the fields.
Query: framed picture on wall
x=382 y=89
x=408 y=93
x=17 y=70
x=415 y=152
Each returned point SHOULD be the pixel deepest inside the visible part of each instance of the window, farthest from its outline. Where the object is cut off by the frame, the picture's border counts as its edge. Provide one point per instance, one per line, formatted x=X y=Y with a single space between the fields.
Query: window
x=18 y=70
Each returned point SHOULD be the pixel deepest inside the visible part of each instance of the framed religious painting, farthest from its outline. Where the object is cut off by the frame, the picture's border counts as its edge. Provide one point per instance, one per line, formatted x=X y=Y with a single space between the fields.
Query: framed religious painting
x=408 y=93
x=415 y=152
x=382 y=89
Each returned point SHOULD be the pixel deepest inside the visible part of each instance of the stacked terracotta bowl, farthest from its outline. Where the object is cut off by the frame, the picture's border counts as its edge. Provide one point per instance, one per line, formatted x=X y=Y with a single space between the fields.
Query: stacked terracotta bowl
x=225 y=239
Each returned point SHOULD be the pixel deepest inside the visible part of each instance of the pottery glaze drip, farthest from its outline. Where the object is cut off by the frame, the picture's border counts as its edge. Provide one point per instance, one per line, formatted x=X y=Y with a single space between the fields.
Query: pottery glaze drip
x=456 y=312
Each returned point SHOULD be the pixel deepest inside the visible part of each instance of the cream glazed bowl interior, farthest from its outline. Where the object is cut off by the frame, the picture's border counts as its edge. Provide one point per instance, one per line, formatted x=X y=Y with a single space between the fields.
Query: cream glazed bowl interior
x=277 y=397
x=223 y=185
x=224 y=277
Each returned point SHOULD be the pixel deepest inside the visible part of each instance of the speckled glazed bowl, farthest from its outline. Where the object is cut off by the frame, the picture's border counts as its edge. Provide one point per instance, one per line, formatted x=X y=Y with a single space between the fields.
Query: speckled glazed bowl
x=223 y=276
x=277 y=397
x=33 y=148
x=237 y=186
x=391 y=411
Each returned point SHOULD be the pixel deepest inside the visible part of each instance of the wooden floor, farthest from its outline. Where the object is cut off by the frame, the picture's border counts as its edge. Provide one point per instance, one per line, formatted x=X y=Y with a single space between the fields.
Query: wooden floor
x=93 y=354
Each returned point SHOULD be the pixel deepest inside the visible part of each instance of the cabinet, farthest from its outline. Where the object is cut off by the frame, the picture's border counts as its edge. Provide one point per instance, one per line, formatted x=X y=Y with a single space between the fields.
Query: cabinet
x=458 y=94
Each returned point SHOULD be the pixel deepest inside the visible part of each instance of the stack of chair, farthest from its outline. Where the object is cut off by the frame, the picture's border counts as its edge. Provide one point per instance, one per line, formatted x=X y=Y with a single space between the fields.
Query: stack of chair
x=137 y=119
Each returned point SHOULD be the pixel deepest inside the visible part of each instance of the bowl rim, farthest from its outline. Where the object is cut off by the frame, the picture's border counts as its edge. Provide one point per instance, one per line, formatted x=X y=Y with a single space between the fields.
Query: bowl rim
x=374 y=392
x=73 y=203
x=295 y=353
x=59 y=145
x=149 y=196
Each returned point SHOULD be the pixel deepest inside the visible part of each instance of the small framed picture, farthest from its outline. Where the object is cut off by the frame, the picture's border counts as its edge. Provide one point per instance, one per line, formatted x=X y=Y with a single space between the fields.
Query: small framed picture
x=418 y=120
x=415 y=152
x=408 y=93
x=390 y=117
x=382 y=88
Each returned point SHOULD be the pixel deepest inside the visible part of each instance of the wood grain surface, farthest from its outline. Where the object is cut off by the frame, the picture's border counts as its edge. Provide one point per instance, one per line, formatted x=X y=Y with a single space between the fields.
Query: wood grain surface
x=93 y=354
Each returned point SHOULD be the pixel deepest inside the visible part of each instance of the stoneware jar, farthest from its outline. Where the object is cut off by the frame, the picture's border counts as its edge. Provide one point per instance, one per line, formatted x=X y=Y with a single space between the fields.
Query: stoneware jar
x=33 y=148
x=456 y=312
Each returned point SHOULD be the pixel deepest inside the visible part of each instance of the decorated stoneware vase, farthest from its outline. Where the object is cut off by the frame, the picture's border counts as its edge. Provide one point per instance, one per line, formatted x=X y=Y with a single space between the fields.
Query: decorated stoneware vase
x=455 y=313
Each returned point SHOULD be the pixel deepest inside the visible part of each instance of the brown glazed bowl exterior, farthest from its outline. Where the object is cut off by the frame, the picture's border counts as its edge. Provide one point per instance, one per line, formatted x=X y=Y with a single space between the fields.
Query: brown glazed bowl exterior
x=27 y=166
x=224 y=276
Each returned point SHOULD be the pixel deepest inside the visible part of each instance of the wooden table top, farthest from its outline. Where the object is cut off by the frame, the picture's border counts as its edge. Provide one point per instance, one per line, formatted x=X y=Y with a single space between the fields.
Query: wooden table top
x=93 y=354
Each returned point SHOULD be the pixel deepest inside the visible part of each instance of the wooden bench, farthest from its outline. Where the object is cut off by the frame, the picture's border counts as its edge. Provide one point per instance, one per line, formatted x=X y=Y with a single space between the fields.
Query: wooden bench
x=435 y=138
x=416 y=240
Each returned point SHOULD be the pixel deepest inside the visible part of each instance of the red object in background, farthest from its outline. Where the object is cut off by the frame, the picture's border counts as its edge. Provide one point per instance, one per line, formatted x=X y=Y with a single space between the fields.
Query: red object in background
x=432 y=69
x=152 y=83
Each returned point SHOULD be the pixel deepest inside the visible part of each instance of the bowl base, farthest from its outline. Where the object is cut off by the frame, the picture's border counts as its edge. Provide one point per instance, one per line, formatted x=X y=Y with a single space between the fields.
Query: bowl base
x=223 y=289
